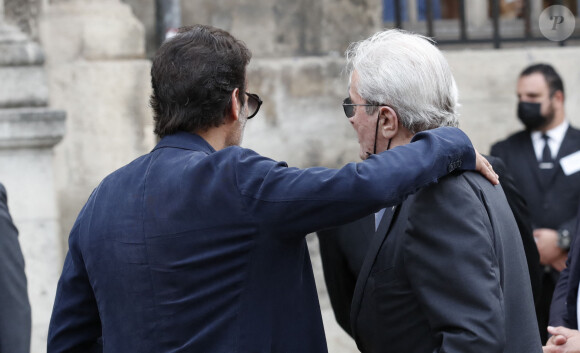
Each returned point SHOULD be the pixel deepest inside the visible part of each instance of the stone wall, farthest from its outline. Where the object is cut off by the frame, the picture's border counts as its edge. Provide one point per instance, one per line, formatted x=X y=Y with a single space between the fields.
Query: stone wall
x=277 y=28
x=28 y=132
x=24 y=14
x=98 y=73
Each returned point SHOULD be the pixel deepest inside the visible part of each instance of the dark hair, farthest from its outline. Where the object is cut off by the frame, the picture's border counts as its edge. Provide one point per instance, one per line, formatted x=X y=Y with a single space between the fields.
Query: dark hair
x=550 y=75
x=193 y=75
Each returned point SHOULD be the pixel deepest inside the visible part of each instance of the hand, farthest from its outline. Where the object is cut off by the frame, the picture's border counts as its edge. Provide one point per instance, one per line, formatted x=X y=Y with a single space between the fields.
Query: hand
x=560 y=263
x=563 y=340
x=484 y=167
x=547 y=243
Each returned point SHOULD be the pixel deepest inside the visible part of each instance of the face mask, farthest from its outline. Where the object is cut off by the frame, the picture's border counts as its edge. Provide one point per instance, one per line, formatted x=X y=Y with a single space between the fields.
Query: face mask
x=529 y=114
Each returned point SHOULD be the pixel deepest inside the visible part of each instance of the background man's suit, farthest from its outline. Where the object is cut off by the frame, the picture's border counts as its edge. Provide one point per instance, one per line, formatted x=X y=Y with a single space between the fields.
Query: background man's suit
x=15 y=319
x=343 y=250
x=446 y=271
x=552 y=205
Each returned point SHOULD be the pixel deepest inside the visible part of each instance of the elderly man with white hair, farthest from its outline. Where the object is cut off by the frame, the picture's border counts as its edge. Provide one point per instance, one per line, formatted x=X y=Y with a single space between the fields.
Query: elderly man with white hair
x=445 y=270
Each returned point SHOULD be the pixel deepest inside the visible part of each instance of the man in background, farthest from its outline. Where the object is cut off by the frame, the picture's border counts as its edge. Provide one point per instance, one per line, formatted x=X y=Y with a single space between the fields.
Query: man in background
x=15 y=318
x=544 y=161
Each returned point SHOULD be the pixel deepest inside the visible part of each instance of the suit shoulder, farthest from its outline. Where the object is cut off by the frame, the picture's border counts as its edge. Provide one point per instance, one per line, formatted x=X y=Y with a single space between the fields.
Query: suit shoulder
x=479 y=182
x=470 y=184
x=452 y=184
x=514 y=138
x=574 y=132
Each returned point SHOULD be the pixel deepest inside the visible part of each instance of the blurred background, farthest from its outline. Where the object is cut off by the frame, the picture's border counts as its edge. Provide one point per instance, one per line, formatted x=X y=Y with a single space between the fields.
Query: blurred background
x=74 y=91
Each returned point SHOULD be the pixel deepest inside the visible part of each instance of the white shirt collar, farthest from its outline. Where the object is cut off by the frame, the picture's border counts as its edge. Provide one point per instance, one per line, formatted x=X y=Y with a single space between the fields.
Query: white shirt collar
x=378 y=217
x=556 y=137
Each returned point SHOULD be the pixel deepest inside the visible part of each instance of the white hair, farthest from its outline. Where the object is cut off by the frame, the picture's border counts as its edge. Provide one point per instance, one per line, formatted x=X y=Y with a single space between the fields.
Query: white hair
x=408 y=73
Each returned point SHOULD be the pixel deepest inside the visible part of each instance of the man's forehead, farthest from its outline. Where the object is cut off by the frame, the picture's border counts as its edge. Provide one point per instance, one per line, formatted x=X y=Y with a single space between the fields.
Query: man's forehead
x=534 y=82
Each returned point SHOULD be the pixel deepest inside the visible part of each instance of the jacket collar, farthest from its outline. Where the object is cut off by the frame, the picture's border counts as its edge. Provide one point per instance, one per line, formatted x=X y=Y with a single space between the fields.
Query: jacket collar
x=186 y=141
x=365 y=271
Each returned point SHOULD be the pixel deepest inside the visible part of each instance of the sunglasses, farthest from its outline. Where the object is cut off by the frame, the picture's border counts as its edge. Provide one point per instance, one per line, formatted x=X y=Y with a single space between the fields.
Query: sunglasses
x=349 y=107
x=254 y=103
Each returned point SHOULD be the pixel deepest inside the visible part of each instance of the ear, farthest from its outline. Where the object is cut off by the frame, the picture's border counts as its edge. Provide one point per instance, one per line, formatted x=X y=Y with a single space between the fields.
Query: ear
x=234 y=111
x=559 y=97
x=388 y=122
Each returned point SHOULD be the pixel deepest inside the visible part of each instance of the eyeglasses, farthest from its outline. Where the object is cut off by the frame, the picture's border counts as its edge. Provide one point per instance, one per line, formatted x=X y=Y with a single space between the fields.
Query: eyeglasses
x=349 y=107
x=254 y=103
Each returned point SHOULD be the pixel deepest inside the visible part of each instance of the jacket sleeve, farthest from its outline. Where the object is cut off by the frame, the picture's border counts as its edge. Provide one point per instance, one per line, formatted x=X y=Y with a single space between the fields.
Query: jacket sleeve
x=316 y=198
x=453 y=269
x=15 y=321
x=571 y=226
x=521 y=213
x=75 y=325
x=342 y=251
x=558 y=307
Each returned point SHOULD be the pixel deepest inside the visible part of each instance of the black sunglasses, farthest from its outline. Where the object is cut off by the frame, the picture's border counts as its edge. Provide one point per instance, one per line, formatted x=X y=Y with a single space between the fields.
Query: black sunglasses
x=254 y=103
x=349 y=107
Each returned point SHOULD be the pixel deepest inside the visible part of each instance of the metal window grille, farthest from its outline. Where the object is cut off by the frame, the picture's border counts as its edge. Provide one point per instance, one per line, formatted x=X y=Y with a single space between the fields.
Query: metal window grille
x=429 y=20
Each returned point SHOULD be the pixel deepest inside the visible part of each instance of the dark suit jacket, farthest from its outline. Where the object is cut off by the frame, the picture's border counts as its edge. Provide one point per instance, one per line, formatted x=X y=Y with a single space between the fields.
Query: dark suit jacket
x=343 y=249
x=553 y=206
x=195 y=250
x=14 y=306
x=563 y=311
x=446 y=272
x=521 y=214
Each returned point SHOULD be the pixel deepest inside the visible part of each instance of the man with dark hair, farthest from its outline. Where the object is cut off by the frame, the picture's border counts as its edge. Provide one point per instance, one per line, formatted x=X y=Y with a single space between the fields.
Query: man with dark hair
x=15 y=319
x=199 y=245
x=544 y=160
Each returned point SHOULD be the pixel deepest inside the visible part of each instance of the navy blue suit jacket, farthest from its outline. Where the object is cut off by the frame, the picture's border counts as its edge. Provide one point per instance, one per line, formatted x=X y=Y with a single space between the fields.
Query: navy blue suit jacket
x=188 y=249
x=563 y=311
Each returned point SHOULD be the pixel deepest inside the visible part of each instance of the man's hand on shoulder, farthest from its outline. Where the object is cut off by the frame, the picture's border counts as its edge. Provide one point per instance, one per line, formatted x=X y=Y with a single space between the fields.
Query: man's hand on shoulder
x=483 y=166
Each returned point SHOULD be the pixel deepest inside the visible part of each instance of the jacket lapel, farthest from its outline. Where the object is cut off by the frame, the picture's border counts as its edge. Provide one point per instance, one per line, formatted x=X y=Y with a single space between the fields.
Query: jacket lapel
x=571 y=140
x=371 y=255
x=569 y=144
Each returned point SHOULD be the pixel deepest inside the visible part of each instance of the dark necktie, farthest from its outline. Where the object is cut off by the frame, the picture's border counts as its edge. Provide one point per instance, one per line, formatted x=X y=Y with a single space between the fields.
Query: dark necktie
x=547 y=163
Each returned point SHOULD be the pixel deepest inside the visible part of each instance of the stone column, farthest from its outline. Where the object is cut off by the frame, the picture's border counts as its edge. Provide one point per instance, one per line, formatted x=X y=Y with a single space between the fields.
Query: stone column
x=412 y=10
x=28 y=133
x=98 y=73
x=536 y=8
